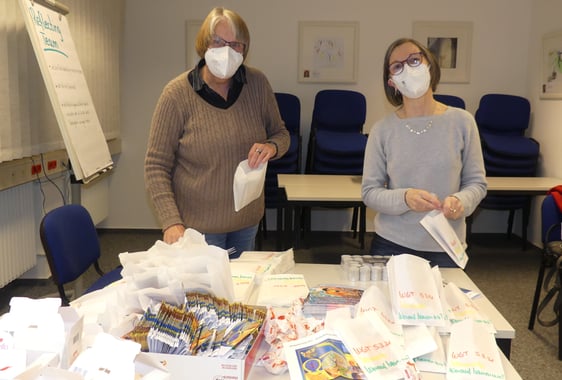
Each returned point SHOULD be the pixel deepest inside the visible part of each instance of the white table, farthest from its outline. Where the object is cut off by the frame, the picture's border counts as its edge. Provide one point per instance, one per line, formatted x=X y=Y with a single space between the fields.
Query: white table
x=318 y=274
x=321 y=190
x=324 y=187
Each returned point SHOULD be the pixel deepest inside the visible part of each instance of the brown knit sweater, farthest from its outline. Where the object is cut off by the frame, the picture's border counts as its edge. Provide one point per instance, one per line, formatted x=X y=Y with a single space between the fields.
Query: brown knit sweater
x=194 y=149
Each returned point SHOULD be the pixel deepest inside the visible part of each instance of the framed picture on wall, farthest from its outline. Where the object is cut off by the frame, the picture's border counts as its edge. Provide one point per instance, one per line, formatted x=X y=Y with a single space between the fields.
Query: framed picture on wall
x=191 y=30
x=328 y=51
x=551 y=80
x=451 y=42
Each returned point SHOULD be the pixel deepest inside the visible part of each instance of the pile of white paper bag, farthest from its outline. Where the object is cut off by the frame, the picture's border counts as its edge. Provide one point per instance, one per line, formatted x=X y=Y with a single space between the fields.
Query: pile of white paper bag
x=412 y=323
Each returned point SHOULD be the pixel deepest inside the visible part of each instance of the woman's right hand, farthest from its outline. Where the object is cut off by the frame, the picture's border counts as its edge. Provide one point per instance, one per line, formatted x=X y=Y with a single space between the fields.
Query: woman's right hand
x=173 y=233
x=421 y=200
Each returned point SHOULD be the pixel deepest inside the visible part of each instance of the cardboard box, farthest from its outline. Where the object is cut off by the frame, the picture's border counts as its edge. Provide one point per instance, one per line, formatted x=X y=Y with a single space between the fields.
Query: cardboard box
x=50 y=373
x=181 y=367
x=73 y=326
x=38 y=364
x=44 y=367
x=148 y=368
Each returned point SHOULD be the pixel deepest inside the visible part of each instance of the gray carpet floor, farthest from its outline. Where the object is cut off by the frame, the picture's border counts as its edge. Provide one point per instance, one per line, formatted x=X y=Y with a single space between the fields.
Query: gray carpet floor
x=504 y=272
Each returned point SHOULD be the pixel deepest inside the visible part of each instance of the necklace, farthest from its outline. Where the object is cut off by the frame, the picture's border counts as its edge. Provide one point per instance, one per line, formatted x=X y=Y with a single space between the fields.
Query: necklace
x=422 y=131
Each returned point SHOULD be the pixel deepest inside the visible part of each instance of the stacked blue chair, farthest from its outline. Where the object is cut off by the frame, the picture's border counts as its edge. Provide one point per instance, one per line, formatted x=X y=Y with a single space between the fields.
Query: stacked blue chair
x=450 y=100
x=502 y=121
x=290 y=163
x=337 y=142
x=551 y=224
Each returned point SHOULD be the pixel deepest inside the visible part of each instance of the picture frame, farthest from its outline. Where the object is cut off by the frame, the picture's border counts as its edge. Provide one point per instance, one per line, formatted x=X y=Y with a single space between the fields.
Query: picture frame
x=191 y=29
x=451 y=42
x=328 y=51
x=551 y=80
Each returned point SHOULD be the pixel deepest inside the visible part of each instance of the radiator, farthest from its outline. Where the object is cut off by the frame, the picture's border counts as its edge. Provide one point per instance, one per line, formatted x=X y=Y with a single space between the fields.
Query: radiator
x=18 y=232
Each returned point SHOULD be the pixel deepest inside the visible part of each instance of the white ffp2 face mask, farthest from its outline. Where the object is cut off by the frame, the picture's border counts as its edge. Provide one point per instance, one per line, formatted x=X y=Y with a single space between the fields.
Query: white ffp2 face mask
x=413 y=82
x=223 y=61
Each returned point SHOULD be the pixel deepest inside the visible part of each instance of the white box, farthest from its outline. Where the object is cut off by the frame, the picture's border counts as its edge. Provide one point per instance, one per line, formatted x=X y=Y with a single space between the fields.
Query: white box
x=73 y=326
x=150 y=369
x=181 y=367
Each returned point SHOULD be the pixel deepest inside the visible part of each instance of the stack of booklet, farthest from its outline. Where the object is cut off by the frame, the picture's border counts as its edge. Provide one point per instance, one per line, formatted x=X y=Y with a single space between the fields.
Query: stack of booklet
x=328 y=297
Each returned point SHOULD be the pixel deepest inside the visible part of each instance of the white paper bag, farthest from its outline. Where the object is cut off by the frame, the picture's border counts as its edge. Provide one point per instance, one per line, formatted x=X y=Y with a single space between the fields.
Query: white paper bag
x=473 y=353
x=248 y=184
x=414 y=295
x=374 y=348
x=461 y=307
x=437 y=225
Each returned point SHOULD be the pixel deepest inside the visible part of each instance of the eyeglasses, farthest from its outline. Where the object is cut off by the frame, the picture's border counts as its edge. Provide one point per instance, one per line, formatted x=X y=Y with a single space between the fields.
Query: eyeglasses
x=413 y=60
x=216 y=41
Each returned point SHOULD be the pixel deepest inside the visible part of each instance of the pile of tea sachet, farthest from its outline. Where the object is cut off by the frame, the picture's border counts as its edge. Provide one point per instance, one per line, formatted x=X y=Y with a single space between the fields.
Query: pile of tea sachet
x=204 y=326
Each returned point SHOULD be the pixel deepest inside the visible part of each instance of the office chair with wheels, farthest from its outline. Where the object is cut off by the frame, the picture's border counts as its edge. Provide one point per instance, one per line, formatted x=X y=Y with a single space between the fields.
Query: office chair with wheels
x=551 y=219
x=337 y=142
x=502 y=120
x=450 y=100
x=71 y=245
x=290 y=163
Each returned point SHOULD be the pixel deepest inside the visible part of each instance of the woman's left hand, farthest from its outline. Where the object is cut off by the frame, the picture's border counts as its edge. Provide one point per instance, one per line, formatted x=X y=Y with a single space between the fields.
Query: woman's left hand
x=260 y=153
x=453 y=208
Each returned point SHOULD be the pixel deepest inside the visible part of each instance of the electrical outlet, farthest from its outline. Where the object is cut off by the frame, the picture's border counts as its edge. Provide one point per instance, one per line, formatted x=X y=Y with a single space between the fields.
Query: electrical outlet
x=51 y=165
x=36 y=169
x=20 y=171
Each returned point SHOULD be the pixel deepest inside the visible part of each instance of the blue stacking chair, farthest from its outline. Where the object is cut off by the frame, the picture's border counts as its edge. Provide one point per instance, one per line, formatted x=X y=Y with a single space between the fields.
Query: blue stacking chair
x=551 y=219
x=70 y=240
x=290 y=163
x=337 y=142
x=502 y=120
x=450 y=100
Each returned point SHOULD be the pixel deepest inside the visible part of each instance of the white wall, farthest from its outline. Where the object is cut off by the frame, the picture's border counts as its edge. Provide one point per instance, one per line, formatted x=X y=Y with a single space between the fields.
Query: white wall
x=547 y=114
x=505 y=49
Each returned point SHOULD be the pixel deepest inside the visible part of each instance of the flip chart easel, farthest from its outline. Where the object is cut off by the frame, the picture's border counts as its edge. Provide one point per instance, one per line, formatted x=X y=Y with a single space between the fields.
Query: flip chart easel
x=67 y=88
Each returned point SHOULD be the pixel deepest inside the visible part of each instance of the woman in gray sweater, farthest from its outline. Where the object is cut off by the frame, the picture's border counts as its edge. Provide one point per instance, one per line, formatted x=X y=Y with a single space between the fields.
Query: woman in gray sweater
x=423 y=156
x=206 y=122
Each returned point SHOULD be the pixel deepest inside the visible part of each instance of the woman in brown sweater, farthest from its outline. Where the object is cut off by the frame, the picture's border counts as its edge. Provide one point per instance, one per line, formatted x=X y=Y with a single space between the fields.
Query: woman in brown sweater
x=206 y=121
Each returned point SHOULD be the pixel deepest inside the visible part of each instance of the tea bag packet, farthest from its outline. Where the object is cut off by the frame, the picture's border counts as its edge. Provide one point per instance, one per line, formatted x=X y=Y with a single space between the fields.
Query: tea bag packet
x=375 y=349
x=462 y=307
x=473 y=353
x=248 y=184
x=109 y=358
x=414 y=295
x=435 y=361
x=376 y=298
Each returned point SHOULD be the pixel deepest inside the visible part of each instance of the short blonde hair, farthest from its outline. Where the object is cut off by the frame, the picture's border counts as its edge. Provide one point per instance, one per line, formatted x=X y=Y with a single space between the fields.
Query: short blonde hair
x=207 y=30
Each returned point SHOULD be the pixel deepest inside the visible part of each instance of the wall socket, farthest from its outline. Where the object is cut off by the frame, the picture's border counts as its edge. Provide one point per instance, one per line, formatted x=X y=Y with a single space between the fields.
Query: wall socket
x=28 y=169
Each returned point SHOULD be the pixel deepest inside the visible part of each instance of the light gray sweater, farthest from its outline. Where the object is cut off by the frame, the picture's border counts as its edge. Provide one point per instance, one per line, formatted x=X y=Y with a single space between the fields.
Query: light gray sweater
x=194 y=149
x=445 y=160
